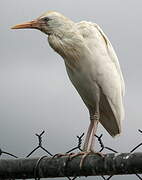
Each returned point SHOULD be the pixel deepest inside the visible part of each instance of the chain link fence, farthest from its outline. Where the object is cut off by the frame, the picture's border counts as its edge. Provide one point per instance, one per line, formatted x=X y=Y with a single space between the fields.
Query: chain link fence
x=68 y=154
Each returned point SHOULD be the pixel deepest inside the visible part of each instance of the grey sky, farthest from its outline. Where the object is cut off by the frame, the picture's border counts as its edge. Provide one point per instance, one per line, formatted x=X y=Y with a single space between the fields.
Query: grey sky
x=35 y=92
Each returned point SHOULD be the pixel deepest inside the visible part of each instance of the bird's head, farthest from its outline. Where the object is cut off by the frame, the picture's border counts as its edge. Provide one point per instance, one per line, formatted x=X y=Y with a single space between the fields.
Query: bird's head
x=50 y=23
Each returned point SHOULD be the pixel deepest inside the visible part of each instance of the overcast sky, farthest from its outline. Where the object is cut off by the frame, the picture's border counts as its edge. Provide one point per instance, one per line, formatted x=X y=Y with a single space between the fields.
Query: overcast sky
x=35 y=92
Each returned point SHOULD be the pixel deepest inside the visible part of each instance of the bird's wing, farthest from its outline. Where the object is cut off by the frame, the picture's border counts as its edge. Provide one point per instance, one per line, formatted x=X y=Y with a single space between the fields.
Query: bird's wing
x=113 y=56
x=92 y=31
x=109 y=76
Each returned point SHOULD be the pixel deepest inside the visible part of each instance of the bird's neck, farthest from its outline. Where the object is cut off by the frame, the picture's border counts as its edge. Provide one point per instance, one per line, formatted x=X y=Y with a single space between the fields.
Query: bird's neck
x=68 y=45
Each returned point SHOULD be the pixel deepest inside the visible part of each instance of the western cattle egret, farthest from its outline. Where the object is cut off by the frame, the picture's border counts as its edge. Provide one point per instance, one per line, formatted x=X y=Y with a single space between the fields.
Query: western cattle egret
x=92 y=67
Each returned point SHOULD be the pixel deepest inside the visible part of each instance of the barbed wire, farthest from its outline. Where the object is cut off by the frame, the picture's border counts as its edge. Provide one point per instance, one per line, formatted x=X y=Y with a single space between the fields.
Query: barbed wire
x=69 y=153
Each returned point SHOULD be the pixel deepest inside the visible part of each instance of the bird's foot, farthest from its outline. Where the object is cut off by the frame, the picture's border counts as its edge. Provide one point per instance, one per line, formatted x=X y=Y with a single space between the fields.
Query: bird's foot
x=84 y=155
x=58 y=155
x=99 y=153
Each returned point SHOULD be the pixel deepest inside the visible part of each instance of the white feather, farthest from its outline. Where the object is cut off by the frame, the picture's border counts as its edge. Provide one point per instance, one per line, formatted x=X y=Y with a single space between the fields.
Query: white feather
x=100 y=67
x=93 y=68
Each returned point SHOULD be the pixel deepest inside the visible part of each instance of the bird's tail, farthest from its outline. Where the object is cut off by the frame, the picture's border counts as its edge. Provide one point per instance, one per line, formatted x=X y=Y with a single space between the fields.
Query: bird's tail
x=108 y=118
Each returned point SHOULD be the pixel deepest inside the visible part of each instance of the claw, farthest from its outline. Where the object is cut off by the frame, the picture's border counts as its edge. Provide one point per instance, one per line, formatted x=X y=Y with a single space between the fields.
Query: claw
x=84 y=155
x=100 y=154
x=73 y=155
x=87 y=153
x=58 y=155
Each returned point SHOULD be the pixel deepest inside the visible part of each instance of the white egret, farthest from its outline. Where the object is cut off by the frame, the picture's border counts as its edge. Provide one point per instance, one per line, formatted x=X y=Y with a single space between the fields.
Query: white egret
x=92 y=67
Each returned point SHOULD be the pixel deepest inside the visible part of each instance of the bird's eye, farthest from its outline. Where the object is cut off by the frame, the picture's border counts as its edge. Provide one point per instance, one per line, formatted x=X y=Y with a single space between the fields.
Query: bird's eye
x=46 y=19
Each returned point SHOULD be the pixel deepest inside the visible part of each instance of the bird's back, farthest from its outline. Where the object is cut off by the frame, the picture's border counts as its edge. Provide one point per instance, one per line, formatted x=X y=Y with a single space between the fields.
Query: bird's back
x=95 y=38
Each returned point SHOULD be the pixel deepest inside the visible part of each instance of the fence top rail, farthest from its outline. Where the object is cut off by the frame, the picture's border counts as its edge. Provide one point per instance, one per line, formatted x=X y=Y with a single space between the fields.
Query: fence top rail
x=93 y=165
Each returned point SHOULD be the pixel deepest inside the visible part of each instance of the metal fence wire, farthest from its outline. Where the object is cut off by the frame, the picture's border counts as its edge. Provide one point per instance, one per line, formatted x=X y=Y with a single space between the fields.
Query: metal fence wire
x=69 y=153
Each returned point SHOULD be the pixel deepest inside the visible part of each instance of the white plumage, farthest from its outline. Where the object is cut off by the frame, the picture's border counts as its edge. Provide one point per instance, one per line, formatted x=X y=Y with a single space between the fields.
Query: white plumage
x=92 y=66
x=101 y=69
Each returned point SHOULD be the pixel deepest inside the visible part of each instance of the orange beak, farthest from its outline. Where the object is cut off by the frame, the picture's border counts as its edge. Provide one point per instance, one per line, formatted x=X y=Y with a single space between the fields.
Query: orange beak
x=31 y=24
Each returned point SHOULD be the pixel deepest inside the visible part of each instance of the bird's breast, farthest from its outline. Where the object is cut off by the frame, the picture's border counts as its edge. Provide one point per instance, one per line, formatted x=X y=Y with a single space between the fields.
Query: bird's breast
x=78 y=63
x=84 y=84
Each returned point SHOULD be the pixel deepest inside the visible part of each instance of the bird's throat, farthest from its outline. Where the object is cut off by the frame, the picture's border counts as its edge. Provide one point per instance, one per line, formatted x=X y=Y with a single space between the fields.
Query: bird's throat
x=67 y=49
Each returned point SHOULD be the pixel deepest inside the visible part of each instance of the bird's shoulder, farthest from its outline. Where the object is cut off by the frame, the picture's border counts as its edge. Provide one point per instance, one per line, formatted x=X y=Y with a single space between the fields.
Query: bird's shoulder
x=94 y=37
x=87 y=29
x=94 y=32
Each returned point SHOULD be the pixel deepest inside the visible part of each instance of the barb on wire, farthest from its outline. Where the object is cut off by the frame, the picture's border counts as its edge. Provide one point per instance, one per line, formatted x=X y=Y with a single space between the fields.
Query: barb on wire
x=78 y=145
x=39 y=145
x=103 y=146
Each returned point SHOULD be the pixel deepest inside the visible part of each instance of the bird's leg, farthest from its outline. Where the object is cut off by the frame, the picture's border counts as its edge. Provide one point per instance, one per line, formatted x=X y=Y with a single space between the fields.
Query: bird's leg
x=90 y=137
x=87 y=144
x=95 y=126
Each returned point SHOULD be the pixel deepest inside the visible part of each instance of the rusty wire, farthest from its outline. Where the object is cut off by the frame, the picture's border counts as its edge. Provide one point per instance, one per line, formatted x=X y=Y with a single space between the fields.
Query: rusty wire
x=69 y=152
